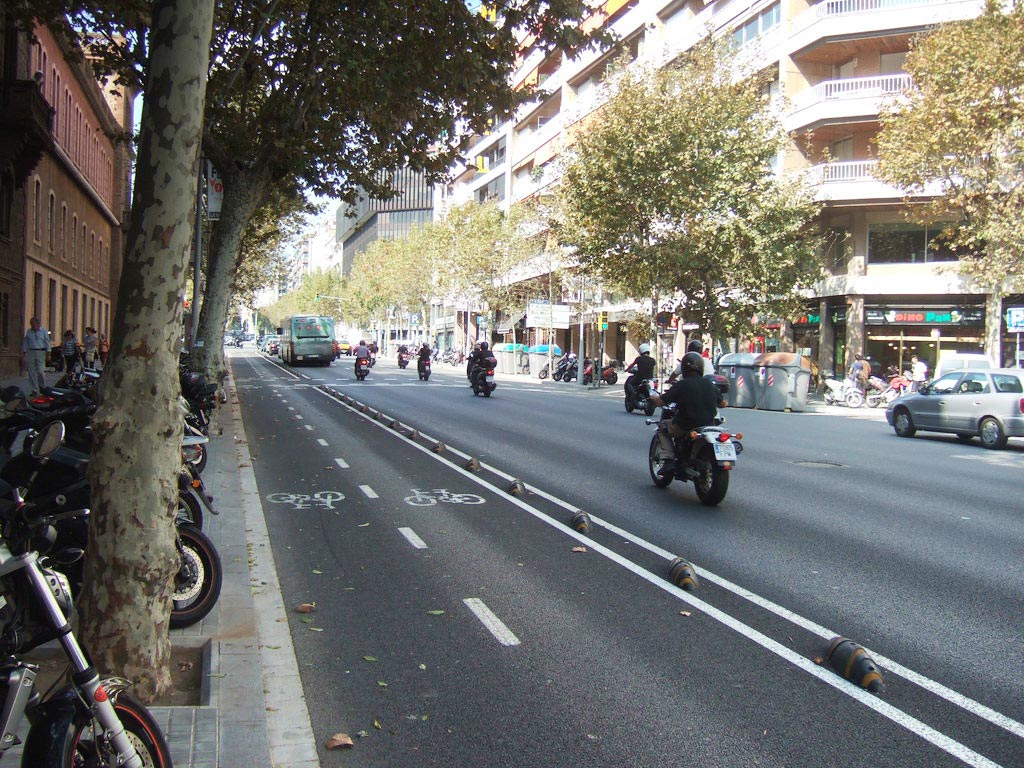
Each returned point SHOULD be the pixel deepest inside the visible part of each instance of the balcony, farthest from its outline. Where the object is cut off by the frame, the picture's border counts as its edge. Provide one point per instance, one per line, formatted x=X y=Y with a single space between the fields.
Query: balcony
x=850 y=19
x=528 y=142
x=25 y=125
x=854 y=182
x=848 y=100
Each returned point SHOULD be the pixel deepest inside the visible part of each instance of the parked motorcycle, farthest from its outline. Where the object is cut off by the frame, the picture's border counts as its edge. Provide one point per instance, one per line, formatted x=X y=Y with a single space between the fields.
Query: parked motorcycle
x=362 y=368
x=89 y=721
x=481 y=378
x=844 y=391
x=423 y=369
x=640 y=400
x=608 y=373
x=60 y=485
x=705 y=458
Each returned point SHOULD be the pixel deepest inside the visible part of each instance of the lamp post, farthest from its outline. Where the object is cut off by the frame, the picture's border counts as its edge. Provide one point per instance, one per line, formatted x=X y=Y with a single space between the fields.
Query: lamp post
x=937 y=335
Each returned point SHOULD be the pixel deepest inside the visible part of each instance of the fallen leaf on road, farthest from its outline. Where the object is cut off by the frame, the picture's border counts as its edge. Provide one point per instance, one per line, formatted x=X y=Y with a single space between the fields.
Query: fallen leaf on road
x=362 y=734
x=317 y=571
x=423 y=666
x=818 y=660
x=436 y=613
x=370 y=658
x=305 y=607
x=685 y=613
x=579 y=549
x=382 y=684
x=307 y=620
x=316 y=629
x=377 y=725
x=363 y=525
x=339 y=741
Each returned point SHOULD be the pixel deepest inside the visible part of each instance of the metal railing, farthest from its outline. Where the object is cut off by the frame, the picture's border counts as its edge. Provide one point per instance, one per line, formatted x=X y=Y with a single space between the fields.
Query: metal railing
x=854 y=88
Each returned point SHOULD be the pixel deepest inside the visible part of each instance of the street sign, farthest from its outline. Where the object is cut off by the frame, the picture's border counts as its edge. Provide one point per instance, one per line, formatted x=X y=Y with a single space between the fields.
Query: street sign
x=543 y=315
x=1015 y=319
x=214 y=192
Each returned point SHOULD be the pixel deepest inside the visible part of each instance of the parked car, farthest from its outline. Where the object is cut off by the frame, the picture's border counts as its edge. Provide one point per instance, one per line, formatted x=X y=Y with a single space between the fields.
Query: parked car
x=987 y=403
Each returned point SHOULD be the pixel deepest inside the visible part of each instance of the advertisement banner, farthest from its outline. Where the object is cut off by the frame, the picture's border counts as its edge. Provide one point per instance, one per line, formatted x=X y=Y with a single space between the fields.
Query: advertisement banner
x=214 y=192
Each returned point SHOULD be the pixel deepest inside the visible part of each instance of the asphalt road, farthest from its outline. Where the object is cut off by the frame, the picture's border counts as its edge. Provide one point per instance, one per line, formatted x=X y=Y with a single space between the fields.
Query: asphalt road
x=832 y=526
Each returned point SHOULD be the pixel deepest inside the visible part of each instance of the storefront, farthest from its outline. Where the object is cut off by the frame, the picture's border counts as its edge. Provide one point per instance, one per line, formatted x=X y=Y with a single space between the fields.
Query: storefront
x=894 y=333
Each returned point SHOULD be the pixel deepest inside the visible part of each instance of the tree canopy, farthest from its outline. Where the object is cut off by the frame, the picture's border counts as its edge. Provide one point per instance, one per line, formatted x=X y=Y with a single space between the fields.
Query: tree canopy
x=670 y=191
x=960 y=128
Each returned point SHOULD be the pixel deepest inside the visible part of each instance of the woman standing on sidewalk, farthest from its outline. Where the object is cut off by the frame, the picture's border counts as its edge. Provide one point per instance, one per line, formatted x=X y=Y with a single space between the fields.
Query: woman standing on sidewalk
x=69 y=349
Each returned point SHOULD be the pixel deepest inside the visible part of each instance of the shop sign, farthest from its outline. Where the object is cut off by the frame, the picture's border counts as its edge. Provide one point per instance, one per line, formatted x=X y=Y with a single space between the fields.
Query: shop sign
x=839 y=316
x=808 y=319
x=922 y=316
x=1015 y=320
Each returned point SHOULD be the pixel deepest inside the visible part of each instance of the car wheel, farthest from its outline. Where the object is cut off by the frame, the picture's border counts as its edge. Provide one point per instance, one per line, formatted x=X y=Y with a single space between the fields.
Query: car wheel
x=992 y=434
x=903 y=424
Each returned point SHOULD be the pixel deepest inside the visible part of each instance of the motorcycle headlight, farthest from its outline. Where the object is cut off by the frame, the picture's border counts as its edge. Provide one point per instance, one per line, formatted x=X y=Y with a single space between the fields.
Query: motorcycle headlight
x=60 y=588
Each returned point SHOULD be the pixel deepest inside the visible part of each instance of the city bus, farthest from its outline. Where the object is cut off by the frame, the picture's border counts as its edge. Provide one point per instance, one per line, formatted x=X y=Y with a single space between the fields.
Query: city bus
x=307 y=339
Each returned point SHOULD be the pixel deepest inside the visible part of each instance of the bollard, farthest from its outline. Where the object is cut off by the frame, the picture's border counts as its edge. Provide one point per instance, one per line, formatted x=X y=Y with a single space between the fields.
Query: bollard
x=439 y=447
x=517 y=488
x=580 y=522
x=682 y=574
x=852 y=662
x=473 y=465
x=414 y=435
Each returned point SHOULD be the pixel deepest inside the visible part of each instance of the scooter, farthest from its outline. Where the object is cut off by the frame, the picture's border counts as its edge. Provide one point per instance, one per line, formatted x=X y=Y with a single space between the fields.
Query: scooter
x=843 y=391
x=403 y=360
x=641 y=399
x=706 y=459
x=423 y=368
x=608 y=374
x=482 y=377
x=362 y=367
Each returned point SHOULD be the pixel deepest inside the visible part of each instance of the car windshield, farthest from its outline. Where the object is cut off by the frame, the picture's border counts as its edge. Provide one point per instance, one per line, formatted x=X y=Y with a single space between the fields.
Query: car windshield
x=945 y=384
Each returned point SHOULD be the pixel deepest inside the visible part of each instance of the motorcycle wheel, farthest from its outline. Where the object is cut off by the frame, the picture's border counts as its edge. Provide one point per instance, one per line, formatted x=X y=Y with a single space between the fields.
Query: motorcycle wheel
x=587 y=378
x=874 y=401
x=854 y=398
x=557 y=376
x=713 y=482
x=487 y=391
x=190 y=511
x=542 y=373
x=829 y=398
x=654 y=464
x=197 y=585
x=630 y=405
x=612 y=378
x=649 y=407
x=68 y=739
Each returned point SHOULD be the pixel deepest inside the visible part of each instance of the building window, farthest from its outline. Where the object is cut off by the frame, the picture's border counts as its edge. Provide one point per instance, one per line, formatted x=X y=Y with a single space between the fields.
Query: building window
x=758 y=25
x=51 y=224
x=74 y=240
x=90 y=262
x=63 y=243
x=37 y=199
x=81 y=246
x=905 y=243
x=6 y=201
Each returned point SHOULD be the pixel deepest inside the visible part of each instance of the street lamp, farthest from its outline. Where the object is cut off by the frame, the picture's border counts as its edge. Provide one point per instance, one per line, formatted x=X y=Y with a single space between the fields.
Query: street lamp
x=937 y=335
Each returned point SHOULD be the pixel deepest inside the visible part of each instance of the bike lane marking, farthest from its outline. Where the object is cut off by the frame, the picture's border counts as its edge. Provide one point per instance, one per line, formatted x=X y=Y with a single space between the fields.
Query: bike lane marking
x=494 y=625
x=823 y=674
x=342 y=464
x=370 y=493
x=323 y=443
x=412 y=538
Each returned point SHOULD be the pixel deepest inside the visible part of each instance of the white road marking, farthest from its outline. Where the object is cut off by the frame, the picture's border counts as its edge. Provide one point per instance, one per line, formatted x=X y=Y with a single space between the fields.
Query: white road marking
x=412 y=538
x=322 y=441
x=290 y=408
x=494 y=625
x=370 y=493
x=299 y=416
x=309 y=427
x=341 y=463
x=867 y=699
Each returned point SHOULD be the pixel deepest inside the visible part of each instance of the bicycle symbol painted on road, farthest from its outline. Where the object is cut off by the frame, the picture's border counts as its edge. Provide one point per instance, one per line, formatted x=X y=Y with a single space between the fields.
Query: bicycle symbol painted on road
x=441 y=495
x=320 y=499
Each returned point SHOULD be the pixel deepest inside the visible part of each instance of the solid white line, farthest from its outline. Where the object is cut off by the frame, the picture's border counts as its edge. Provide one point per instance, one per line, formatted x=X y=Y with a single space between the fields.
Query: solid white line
x=322 y=441
x=341 y=463
x=494 y=625
x=870 y=701
x=412 y=538
x=936 y=688
x=370 y=493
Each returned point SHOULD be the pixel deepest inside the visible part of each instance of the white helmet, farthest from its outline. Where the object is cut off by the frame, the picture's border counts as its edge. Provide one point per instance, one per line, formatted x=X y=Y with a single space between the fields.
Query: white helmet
x=645 y=349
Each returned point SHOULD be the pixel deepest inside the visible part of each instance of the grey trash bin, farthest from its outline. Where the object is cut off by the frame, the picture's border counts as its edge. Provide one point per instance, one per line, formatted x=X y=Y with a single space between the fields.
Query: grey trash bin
x=744 y=383
x=504 y=356
x=539 y=358
x=784 y=380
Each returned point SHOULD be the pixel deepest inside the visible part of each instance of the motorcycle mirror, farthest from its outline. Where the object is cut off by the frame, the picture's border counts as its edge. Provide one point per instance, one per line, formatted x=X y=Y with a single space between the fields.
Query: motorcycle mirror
x=48 y=440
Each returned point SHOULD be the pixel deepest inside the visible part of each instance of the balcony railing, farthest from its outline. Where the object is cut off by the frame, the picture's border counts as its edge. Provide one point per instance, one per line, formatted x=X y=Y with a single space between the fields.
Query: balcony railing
x=853 y=88
x=849 y=170
x=861 y=11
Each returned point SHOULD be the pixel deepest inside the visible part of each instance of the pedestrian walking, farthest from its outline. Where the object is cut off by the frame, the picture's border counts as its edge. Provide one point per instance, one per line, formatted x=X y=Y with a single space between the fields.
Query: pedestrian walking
x=918 y=373
x=104 y=349
x=70 y=350
x=34 y=349
x=90 y=343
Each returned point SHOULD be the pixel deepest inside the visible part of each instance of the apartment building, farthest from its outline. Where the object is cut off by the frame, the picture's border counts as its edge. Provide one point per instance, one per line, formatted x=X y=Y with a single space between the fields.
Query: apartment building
x=890 y=291
x=65 y=191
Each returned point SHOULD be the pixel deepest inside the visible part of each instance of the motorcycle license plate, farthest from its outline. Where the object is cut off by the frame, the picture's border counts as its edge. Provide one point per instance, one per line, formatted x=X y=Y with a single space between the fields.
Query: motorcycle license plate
x=725 y=452
x=490 y=379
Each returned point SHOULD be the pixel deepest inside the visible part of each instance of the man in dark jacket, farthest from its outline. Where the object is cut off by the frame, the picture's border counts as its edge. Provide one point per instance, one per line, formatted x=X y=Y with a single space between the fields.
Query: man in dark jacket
x=698 y=401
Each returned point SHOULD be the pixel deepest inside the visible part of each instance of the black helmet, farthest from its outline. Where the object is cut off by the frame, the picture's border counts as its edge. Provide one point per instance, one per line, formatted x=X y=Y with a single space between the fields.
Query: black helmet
x=692 y=362
x=695 y=345
x=483 y=346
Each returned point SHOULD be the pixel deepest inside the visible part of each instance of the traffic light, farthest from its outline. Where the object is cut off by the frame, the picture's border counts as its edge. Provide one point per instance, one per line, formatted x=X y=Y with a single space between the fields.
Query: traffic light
x=603 y=320
x=317 y=298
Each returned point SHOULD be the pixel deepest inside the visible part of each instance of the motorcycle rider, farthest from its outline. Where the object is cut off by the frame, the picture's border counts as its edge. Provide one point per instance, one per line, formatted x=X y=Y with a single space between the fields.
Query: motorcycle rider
x=695 y=345
x=362 y=352
x=698 y=401
x=403 y=351
x=481 y=352
x=640 y=369
x=424 y=358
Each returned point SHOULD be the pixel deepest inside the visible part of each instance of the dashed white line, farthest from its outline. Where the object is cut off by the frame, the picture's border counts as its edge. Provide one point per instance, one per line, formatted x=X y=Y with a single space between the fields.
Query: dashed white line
x=341 y=463
x=309 y=427
x=494 y=625
x=299 y=416
x=370 y=493
x=322 y=441
x=291 y=408
x=412 y=538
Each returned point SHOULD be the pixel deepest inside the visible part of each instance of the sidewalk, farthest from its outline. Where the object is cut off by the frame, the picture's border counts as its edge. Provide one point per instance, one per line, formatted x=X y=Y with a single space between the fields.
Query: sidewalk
x=247 y=651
